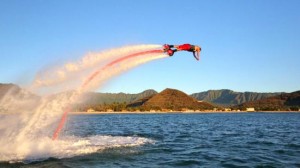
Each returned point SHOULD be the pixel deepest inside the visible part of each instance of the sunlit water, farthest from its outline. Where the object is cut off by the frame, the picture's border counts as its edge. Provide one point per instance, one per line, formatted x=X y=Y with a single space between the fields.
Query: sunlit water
x=175 y=140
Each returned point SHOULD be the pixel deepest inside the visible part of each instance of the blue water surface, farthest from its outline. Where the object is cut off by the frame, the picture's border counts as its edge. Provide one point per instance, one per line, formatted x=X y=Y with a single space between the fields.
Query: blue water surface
x=187 y=140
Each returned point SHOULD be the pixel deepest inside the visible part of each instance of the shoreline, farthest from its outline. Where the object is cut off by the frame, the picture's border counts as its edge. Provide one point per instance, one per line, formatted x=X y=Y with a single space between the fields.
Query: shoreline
x=178 y=112
x=168 y=112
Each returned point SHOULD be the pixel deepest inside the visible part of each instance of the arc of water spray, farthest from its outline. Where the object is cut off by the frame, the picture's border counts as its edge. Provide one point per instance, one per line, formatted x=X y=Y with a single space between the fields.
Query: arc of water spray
x=94 y=75
x=59 y=75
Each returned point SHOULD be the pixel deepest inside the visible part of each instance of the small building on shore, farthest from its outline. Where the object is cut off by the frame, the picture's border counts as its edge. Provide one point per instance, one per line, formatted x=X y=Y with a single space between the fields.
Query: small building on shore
x=227 y=109
x=250 y=109
x=90 y=110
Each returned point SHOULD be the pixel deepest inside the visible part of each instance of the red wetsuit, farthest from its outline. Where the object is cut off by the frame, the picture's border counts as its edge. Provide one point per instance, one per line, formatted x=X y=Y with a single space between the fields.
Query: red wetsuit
x=186 y=47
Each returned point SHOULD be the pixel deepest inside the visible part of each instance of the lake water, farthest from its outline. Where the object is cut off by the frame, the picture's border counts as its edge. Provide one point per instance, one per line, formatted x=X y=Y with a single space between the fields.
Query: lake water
x=177 y=140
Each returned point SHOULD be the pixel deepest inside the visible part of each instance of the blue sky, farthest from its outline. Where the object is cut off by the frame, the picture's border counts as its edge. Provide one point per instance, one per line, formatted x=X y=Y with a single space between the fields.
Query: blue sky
x=247 y=45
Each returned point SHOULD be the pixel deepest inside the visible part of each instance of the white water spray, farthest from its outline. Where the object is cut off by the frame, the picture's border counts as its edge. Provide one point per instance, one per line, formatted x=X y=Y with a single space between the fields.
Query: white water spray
x=26 y=135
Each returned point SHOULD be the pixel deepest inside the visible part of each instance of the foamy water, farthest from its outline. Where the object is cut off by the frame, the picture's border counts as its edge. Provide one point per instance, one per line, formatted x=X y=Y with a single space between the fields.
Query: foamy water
x=69 y=146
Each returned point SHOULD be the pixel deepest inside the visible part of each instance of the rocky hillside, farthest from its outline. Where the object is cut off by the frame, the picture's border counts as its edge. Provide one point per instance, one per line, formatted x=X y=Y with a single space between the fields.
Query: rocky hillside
x=227 y=97
x=174 y=100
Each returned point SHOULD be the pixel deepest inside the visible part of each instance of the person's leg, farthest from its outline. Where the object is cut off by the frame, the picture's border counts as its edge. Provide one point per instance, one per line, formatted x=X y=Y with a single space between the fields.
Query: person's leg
x=170 y=52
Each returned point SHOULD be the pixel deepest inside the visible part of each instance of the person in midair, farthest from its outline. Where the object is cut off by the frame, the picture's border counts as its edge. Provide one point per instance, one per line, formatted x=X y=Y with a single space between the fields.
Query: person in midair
x=184 y=47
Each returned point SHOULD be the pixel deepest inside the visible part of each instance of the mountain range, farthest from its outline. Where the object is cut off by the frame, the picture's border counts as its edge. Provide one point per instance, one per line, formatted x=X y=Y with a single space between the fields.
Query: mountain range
x=227 y=97
x=222 y=97
x=173 y=99
x=282 y=102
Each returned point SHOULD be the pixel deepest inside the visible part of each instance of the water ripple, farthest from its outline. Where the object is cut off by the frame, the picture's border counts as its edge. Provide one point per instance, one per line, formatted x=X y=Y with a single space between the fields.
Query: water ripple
x=188 y=140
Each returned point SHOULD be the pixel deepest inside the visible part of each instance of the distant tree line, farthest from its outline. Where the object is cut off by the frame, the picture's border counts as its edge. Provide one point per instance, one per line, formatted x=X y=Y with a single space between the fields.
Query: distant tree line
x=117 y=106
